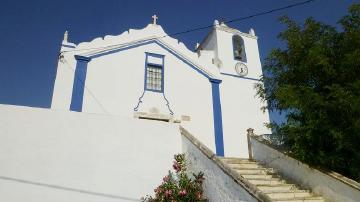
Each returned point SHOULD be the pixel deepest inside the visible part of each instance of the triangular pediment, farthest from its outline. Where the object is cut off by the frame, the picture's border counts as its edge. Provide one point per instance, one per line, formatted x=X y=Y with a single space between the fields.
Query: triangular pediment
x=150 y=34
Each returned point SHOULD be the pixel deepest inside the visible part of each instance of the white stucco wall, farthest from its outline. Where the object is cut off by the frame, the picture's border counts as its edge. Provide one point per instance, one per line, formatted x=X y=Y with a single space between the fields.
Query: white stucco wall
x=218 y=186
x=115 y=82
x=48 y=155
x=241 y=108
x=226 y=55
x=64 y=81
x=331 y=186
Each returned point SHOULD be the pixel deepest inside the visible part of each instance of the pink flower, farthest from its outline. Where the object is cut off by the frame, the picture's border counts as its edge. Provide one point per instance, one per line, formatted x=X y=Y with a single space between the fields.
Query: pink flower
x=176 y=166
x=198 y=195
x=168 y=193
x=166 y=178
x=182 y=192
x=158 y=190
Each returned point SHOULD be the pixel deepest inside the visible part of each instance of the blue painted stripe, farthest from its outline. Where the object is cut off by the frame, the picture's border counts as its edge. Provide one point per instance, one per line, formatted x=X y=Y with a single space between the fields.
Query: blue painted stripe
x=186 y=62
x=218 y=128
x=81 y=68
x=79 y=83
x=153 y=54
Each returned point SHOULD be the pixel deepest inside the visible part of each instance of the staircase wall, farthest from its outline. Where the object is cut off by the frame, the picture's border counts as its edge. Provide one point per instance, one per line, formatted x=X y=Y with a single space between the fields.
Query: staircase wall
x=220 y=184
x=48 y=155
x=332 y=186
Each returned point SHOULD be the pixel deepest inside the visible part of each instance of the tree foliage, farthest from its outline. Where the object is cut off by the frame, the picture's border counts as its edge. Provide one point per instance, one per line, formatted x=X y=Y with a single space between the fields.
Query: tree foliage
x=315 y=80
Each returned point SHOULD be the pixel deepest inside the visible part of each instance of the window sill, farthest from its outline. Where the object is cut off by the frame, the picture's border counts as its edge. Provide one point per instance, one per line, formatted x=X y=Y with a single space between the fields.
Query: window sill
x=156 y=117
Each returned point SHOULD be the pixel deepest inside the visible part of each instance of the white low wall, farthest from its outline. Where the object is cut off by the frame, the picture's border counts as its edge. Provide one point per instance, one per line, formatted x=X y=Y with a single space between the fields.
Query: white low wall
x=332 y=186
x=57 y=156
x=220 y=184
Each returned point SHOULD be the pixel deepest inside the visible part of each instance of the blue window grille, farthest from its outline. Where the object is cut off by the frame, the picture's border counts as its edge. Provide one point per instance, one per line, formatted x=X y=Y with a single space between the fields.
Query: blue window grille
x=154 y=74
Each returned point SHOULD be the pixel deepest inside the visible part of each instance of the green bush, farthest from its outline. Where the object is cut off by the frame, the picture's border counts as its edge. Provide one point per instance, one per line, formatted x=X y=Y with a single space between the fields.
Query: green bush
x=178 y=187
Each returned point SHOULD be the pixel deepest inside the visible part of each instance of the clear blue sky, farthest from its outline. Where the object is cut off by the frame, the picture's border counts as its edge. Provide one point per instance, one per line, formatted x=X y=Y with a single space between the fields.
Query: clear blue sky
x=31 y=31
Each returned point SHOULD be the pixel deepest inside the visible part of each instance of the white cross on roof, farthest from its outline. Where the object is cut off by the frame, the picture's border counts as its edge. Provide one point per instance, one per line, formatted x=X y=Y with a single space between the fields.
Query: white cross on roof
x=154 y=17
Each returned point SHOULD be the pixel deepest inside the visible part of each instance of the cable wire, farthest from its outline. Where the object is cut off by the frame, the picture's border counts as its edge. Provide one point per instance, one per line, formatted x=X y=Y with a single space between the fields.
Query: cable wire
x=61 y=56
x=209 y=26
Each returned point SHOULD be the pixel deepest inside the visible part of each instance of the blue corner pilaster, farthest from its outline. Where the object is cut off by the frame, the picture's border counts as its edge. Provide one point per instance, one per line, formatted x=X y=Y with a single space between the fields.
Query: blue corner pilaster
x=79 y=83
x=218 y=128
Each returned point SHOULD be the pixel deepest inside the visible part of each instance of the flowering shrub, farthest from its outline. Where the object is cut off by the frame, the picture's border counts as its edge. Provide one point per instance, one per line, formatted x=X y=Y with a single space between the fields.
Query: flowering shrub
x=178 y=187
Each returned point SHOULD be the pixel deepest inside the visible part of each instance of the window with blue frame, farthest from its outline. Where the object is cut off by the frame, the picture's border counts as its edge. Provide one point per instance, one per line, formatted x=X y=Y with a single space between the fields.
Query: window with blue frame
x=154 y=72
x=154 y=77
x=239 y=48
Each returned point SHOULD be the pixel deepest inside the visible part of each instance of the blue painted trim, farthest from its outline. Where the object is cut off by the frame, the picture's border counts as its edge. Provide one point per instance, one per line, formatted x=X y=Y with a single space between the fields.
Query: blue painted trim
x=146 y=61
x=140 y=101
x=154 y=64
x=143 y=93
x=168 y=105
x=218 y=128
x=79 y=83
x=240 y=77
x=150 y=42
x=162 y=65
x=186 y=62
x=121 y=49
x=157 y=66
x=68 y=46
x=215 y=80
x=163 y=81
x=82 y=58
x=155 y=55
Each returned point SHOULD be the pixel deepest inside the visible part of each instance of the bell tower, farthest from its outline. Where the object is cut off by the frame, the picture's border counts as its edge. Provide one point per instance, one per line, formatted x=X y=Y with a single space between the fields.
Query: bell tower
x=233 y=52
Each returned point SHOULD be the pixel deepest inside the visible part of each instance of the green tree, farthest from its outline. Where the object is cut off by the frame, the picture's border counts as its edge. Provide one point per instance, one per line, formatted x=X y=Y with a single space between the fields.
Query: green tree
x=315 y=81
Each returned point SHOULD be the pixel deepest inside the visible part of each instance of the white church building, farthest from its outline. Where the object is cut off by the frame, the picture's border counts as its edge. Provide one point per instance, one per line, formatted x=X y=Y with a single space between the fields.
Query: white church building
x=146 y=74
x=118 y=102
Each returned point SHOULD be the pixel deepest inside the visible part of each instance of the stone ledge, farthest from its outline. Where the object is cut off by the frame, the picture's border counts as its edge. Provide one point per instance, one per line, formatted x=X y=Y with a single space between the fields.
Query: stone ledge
x=154 y=116
x=332 y=174
x=250 y=188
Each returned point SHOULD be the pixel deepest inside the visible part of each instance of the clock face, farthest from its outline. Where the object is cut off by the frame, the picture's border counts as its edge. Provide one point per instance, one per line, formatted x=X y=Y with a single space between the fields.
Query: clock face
x=241 y=69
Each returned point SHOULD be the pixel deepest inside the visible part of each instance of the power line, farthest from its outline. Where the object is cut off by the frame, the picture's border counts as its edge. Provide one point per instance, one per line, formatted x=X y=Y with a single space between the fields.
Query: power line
x=209 y=26
x=177 y=33
x=246 y=17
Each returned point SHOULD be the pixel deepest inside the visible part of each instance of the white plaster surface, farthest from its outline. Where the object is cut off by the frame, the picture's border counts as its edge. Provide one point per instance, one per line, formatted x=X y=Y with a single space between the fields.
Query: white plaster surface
x=241 y=109
x=115 y=82
x=48 y=155
x=218 y=186
x=329 y=187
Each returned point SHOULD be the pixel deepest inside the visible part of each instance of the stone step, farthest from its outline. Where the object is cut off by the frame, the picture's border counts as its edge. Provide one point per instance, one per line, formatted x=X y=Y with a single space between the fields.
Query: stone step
x=291 y=194
x=255 y=171
x=272 y=181
x=304 y=199
x=280 y=187
x=258 y=176
x=269 y=182
x=238 y=161
x=245 y=165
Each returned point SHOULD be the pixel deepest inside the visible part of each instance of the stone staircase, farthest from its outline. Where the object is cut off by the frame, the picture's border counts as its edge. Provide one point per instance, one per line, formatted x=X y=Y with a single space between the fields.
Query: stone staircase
x=268 y=182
